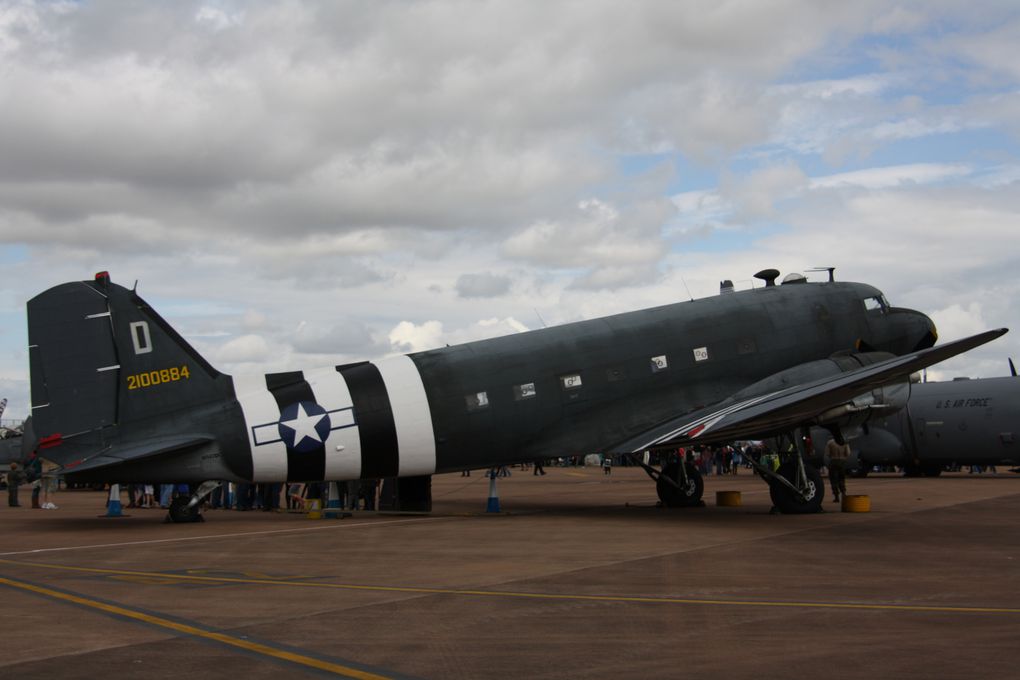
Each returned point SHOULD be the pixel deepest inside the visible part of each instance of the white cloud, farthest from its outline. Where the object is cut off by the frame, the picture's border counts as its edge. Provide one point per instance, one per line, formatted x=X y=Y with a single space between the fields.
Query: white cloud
x=755 y=195
x=245 y=349
x=899 y=20
x=344 y=165
x=957 y=321
x=409 y=337
x=891 y=176
x=216 y=19
x=599 y=237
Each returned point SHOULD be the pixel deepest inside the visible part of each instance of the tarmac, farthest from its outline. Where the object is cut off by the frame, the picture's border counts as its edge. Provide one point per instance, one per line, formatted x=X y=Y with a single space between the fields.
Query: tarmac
x=579 y=576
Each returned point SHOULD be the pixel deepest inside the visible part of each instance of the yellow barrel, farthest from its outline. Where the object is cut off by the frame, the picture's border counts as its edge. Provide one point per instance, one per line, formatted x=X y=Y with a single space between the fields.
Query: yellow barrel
x=727 y=499
x=314 y=507
x=856 y=504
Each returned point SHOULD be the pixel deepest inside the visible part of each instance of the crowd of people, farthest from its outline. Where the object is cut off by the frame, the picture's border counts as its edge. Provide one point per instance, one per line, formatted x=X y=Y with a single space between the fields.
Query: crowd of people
x=365 y=494
x=43 y=484
x=268 y=497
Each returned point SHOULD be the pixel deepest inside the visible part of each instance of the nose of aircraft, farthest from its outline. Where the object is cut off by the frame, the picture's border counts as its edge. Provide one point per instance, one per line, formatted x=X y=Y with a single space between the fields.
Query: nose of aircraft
x=910 y=331
x=929 y=335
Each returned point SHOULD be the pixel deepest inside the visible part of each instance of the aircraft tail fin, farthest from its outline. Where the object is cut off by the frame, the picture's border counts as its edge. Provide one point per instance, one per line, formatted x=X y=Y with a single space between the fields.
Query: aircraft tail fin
x=101 y=360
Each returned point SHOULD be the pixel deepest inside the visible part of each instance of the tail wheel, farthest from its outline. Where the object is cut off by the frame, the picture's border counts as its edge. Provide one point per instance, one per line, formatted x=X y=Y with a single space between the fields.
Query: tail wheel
x=790 y=502
x=685 y=492
x=180 y=512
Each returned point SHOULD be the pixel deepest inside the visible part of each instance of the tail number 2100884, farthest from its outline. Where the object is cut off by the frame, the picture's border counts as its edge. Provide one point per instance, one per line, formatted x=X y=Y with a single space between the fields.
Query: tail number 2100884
x=160 y=377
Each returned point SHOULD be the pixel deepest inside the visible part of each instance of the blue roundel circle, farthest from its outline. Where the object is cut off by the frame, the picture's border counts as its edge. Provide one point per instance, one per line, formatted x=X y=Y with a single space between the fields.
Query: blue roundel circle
x=304 y=426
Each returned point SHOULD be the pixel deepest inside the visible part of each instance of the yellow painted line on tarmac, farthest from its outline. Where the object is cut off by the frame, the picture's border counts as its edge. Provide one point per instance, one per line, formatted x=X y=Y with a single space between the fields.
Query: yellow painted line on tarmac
x=189 y=578
x=241 y=534
x=186 y=629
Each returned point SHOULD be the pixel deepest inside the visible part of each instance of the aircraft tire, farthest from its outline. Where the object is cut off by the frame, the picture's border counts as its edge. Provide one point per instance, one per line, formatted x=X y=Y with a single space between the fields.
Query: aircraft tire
x=790 y=503
x=687 y=495
x=180 y=512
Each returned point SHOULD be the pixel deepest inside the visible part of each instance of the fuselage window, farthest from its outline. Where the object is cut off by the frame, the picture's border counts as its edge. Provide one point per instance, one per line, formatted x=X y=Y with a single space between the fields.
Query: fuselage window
x=570 y=382
x=525 y=391
x=477 y=401
x=659 y=363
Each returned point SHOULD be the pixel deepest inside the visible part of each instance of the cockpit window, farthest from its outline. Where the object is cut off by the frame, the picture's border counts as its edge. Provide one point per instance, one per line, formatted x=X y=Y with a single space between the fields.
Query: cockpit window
x=876 y=303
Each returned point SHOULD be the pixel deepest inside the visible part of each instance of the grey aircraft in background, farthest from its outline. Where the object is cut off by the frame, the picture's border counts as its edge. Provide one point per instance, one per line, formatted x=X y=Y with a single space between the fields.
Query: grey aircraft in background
x=119 y=396
x=960 y=422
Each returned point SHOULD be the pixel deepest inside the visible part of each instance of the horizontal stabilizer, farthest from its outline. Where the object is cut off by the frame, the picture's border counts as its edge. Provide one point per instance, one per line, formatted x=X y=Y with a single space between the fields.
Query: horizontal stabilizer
x=769 y=414
x=133 y=451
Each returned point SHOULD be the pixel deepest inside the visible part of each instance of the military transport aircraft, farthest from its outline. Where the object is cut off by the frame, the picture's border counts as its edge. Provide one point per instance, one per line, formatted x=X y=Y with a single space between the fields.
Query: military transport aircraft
x=119 y=396
x=959 y=422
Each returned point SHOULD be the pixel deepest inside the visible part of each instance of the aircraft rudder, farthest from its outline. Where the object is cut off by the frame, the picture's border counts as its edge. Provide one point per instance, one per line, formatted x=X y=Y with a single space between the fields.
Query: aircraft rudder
x=101 y=356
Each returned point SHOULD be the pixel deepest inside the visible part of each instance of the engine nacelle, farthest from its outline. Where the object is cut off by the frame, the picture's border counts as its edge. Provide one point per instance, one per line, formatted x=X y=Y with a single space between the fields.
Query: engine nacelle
x=876 y=403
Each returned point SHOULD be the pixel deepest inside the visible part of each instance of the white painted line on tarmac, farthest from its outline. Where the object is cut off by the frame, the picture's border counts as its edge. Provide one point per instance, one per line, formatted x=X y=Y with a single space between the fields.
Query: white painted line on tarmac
x=222 y=536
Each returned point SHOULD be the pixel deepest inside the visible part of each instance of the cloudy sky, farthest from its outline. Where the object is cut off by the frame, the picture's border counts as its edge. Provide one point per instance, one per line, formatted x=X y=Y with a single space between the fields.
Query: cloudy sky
x=298 y=184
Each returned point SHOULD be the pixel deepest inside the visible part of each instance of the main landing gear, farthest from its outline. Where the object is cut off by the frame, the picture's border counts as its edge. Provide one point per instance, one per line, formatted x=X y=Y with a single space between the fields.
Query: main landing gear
x=796 y=488
x=679 y=485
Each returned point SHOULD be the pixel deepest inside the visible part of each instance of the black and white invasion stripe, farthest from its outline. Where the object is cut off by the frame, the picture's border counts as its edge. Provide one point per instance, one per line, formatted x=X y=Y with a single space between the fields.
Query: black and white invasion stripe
x=381 y=425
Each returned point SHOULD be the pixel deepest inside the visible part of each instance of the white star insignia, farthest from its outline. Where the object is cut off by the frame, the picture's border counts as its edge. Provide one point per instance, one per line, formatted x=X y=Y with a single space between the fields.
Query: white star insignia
x=303 y=425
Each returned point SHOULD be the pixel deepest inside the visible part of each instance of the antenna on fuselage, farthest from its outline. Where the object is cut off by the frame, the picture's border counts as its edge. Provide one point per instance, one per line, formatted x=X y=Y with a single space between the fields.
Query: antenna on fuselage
x=769 y=276
x=541 y=320
x=1012 y=368
x=689 y=296
x=825 y=269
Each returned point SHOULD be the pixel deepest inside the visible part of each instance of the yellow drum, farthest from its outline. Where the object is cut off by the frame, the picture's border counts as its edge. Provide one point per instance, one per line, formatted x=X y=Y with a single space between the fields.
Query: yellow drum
x=856 y=504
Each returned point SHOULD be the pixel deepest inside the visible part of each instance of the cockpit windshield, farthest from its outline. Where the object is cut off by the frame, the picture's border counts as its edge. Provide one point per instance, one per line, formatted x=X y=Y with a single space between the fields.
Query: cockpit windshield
x=876 y=303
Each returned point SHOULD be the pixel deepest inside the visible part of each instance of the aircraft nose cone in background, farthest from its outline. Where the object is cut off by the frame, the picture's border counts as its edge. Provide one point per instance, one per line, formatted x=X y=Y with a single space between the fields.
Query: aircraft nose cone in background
x=903 y=330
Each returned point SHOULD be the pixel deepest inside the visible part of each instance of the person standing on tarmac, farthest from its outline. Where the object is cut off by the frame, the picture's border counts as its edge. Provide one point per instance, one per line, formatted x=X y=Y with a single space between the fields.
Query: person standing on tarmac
x=838 y=455
x=14 y=480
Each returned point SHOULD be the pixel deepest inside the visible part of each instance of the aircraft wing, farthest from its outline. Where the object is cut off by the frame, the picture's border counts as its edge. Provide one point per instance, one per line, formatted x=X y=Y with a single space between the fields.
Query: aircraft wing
x=769 y=414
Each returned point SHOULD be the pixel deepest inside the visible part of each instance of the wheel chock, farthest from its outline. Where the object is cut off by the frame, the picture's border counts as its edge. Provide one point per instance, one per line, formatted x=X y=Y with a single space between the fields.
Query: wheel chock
x=856 y=503
x=727 y=499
